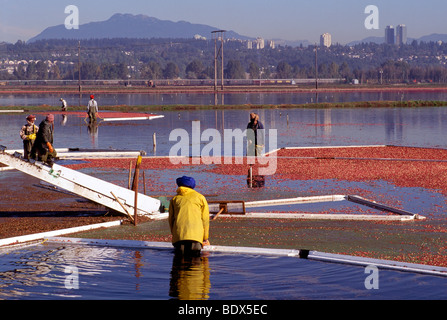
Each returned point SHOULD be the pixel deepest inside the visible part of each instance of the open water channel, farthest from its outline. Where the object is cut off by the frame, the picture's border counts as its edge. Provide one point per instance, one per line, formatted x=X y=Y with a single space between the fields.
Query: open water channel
x=423 y=127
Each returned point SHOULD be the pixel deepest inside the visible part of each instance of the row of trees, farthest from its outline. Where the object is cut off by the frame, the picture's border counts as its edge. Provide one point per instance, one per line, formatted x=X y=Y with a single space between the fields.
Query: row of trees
x=388 y=72
x=194 y=59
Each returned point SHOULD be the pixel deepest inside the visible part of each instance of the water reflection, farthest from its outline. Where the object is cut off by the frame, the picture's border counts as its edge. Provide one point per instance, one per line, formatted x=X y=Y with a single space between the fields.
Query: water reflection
x=64 y=120
x=190 y=278
x=92 y=128
x=393 y=126
x=420 y=127
x=222 y=99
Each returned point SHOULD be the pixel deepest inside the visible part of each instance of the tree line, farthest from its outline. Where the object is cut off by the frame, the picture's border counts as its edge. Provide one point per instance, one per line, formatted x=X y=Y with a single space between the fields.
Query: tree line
x=194 y=59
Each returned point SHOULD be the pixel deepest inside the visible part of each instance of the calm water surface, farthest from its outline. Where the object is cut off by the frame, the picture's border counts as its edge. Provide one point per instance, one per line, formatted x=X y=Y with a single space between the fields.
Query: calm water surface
x=45 y=272
x=422 y=127
x=211 y=99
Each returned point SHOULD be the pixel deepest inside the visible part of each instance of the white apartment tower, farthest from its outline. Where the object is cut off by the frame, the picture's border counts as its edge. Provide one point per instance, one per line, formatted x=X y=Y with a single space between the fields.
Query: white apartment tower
x=326 y=40
x=401 y=34
x=260 y=43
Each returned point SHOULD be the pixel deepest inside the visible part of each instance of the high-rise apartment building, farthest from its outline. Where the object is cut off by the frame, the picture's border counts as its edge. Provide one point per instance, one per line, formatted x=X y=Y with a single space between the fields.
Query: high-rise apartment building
x=326 y=40
x=401 y=34
x=389 y=35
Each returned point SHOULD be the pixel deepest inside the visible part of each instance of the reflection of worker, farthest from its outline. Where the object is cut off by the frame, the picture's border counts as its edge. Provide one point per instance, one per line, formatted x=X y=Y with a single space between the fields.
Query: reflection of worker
x=28 y=134
x=190 y=278
x=255 y=138
x=92 y=108
x=64 y=105
x=92 y=129
x=189 y=218
x=43 y=146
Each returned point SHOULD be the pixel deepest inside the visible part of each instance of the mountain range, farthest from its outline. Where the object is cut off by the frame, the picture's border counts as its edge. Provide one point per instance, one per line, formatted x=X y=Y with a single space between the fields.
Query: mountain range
x=132 y=26
x=145 y=27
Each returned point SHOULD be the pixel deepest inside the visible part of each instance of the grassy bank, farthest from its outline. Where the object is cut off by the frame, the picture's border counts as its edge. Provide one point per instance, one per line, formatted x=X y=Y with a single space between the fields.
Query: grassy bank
x=178 y=107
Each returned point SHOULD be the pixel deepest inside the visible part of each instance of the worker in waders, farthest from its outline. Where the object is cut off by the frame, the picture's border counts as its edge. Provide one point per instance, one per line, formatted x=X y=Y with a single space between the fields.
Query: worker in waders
x=43 y=149
x=255 y=136
x=64 y=104
x=189 y=219
x=92 y=109
x=28 y=133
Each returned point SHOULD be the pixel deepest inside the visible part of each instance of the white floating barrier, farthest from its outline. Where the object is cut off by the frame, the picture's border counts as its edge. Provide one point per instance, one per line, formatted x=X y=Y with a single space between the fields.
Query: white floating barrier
x=94 y=189
x=43 y=235
x=304 y=254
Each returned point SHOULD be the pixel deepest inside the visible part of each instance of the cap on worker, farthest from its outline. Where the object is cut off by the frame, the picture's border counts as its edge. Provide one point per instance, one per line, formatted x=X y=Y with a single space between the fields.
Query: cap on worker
x=186 y=182
x=50 y=118
x=31 y=118
x=92 y=96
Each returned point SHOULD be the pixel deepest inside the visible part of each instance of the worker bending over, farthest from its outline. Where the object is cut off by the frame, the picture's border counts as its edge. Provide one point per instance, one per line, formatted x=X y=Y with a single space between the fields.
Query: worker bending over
x=189 y=218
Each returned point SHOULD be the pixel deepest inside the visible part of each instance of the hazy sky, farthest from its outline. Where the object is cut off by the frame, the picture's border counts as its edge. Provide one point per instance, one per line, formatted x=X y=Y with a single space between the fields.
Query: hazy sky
x=285 y=19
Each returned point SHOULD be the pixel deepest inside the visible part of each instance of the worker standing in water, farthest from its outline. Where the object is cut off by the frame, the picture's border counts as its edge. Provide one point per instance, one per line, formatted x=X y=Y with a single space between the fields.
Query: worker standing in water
x=28 y=133
x=43 y=148
x=189 y=218
x=64 y=104
x=255 y=136
x=92 y=109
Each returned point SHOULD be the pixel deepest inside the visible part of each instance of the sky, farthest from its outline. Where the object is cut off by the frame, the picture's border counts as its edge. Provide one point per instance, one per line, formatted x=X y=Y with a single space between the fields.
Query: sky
x=280 y=19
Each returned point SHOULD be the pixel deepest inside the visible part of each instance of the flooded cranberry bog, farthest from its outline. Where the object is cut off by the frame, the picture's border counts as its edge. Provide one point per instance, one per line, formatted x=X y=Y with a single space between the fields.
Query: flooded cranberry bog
x=396 y=157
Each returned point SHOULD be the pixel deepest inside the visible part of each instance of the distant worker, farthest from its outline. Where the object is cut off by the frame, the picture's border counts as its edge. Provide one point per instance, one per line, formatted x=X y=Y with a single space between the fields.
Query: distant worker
x=43 y=149
x=64 y=105
x=255 y=138
x=189 y=219
x=28 y=133
x=92 y=109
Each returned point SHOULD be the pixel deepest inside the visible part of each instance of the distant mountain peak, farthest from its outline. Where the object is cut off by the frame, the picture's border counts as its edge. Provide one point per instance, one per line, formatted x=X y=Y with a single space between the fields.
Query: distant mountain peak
x=126 y=25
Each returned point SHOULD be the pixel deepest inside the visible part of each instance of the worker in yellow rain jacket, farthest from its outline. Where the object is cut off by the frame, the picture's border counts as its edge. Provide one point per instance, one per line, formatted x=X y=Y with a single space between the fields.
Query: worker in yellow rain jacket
x=189 y=218
x=28 y=133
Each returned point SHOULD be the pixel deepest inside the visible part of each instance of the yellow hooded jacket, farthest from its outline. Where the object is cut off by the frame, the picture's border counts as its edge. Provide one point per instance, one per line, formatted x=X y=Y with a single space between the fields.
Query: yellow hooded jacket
x=189 y=216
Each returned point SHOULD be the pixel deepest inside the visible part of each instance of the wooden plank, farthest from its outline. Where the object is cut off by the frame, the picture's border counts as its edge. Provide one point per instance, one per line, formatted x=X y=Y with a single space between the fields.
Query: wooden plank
x=218 y=205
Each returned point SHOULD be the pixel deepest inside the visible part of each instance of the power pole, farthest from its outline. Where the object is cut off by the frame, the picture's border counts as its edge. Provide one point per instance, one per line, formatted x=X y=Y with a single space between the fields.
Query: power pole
x=219 y=34
x=79 y=72
x=316 y=67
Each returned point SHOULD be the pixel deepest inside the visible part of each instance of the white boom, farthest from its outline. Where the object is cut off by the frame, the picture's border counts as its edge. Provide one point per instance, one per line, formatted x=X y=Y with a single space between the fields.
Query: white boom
x=88 y=187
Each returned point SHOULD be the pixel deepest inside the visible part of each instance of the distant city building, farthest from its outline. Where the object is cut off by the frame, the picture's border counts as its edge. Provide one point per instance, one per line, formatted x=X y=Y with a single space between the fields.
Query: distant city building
x=389 y=35
x=401 y=34
x=259 y=43
x=199 y=37
x=326 y=40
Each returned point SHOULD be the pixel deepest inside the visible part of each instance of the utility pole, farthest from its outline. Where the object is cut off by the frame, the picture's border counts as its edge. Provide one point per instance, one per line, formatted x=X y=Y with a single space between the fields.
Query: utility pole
x=316 y=67
x=79 y=72
x=219 y=34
